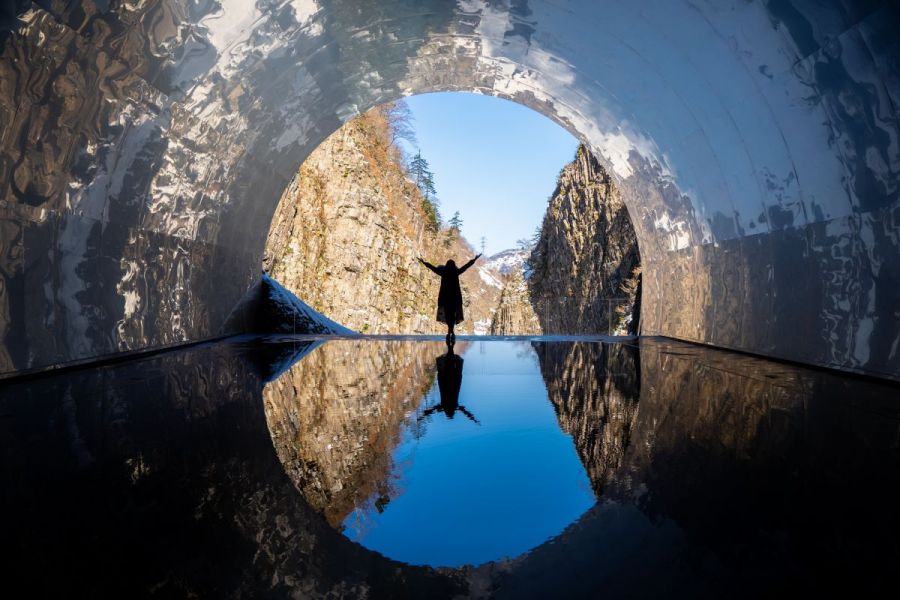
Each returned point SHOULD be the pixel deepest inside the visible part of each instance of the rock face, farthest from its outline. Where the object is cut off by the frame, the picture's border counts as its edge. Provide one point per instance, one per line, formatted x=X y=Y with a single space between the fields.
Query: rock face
x=514 y=314
x=584 y=269
x=347 y=233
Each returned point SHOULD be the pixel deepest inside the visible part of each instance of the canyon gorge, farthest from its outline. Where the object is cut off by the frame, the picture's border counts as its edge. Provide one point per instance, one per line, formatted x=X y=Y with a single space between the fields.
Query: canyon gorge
x=351 y=225
x=348 y=232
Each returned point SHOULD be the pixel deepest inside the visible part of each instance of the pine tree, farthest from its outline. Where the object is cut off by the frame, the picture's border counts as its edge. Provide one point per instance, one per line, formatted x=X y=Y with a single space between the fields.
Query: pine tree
x=456 y=222
x=418 y=170
x=426 y=184
x=421 y=175
x=453 y=229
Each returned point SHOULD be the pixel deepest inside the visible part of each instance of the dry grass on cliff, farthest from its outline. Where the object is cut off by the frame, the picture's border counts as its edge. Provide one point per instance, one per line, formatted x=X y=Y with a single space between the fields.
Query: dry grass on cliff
x=384 y=162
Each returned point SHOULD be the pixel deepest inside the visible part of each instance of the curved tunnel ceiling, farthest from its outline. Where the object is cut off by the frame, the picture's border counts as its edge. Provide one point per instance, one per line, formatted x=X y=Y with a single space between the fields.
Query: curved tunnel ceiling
x=145 y=146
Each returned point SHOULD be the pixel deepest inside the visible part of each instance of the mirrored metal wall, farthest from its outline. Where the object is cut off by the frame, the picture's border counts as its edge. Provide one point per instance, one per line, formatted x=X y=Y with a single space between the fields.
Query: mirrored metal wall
x=144 y=146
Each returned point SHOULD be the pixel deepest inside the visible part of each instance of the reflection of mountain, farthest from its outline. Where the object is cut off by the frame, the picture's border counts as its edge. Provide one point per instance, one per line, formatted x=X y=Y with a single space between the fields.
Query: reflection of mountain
x=594 y=389
x=157 y=477
x=730 y=475
x=739 y=477
x=336 y=415
x=739 y=431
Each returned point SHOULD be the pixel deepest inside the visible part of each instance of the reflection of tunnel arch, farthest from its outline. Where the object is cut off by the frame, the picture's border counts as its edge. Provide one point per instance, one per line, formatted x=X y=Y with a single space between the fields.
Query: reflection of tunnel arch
x=755 y=144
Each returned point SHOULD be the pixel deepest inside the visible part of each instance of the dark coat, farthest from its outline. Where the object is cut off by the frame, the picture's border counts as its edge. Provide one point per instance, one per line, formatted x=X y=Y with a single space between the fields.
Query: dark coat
x=450 y=304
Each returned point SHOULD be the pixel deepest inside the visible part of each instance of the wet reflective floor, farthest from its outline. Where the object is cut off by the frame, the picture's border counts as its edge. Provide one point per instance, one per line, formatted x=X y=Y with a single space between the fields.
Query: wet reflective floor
x=299 y=467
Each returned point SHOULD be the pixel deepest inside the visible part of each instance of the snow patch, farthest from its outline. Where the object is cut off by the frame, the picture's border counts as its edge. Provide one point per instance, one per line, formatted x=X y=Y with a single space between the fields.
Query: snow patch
x=488 y=278
x=508 y=260
x=482 y=327
x=294 y=315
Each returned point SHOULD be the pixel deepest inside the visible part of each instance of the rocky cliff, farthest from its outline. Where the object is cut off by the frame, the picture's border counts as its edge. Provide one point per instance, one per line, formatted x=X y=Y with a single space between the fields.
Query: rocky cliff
x=584 y=268
x=514 y=314
x=348 y=230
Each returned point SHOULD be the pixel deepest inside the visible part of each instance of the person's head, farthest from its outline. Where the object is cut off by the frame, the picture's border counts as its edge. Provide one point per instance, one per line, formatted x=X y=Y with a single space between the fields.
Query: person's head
x=451 y=264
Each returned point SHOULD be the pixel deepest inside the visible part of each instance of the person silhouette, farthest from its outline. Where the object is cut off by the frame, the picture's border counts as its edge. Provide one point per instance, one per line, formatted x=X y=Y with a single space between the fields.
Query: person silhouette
x=449 y=375
x=450 y=304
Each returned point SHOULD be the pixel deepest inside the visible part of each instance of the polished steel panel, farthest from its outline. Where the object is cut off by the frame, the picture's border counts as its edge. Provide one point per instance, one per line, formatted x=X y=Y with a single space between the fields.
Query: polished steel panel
x=144 y=146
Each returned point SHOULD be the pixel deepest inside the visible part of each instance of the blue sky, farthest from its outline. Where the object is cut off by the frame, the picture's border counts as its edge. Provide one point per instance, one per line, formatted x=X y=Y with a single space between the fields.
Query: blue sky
x=494 y=161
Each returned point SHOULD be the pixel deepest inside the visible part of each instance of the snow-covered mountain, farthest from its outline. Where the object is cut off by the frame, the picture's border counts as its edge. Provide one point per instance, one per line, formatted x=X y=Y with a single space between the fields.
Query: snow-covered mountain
x=493 y=268
x=506 y=261
x=490 y=276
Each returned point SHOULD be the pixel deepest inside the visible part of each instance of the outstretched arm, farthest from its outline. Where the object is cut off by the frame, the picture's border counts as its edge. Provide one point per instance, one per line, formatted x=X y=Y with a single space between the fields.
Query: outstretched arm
x=428 y=412
x=463 y=410
x=430 y=266
x=469 y=264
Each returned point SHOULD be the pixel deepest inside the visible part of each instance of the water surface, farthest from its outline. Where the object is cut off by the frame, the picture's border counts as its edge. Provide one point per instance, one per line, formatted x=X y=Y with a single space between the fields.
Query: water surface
x=229 y=469
x=491 y=478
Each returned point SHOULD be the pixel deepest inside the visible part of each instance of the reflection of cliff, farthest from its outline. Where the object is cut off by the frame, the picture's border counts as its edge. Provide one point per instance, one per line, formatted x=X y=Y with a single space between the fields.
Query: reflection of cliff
x=730 y=477
x=349 y=228
x=768 y=467
x=594 y=389
x=157 y=477
x=583 y=267
x=730 y=425
x=336 y=415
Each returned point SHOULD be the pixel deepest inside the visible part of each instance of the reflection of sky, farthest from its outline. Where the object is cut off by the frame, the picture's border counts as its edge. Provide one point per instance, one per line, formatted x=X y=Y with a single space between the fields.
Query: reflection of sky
x=494 y=161
x=470 y=493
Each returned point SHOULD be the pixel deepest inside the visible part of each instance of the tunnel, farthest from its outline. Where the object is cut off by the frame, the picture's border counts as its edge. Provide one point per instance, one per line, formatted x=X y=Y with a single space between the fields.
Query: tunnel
x=145 y=146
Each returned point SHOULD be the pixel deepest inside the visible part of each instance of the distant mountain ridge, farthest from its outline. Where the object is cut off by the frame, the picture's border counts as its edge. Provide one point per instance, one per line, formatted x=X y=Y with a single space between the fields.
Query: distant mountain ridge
x=506 y=261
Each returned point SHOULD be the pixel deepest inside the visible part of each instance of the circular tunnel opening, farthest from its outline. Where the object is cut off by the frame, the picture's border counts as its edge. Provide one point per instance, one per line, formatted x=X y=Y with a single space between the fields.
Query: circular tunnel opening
x=411 y=448
x=557 y=251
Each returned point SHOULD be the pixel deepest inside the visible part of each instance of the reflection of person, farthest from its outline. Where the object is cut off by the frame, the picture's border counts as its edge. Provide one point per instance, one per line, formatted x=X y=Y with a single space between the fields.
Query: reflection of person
x=450 y=304
x=449 y=376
